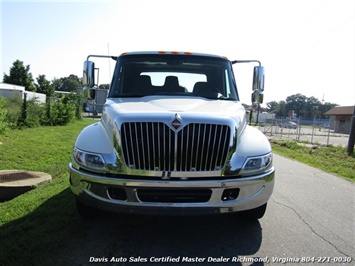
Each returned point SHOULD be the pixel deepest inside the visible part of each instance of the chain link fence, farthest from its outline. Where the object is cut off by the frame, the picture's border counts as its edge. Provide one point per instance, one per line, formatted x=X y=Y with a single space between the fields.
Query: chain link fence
x=314 y=132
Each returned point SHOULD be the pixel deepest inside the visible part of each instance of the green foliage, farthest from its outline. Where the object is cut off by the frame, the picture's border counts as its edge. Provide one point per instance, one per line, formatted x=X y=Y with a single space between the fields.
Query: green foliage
x=330 y=159
x=13 y=109
x=31 y=113
x=290 y=144
x=69 y=84
x=21 y=122
x=297 y=102
x=20 y=75
x=60 y=111
x=15 y=113
x=3 y=113
x=278 y=108
x=44 y=86
x=306 y=107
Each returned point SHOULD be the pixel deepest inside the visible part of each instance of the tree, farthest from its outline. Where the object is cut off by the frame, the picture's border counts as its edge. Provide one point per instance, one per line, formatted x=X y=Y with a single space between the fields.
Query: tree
x=69 y=84
x=306 y=107
x=20 y=75
x=282 y=111
x=312 y=107
x=272 y=107
x=297 y=102
x=277 y=108
x=44 y=86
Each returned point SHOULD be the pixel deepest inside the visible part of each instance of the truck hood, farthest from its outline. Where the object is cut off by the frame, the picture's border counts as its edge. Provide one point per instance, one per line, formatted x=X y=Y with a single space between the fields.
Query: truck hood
x=181 y=105
x=165 y=109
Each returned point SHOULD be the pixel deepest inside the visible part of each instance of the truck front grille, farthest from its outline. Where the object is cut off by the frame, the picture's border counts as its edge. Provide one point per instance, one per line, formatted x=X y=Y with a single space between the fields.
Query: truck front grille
x=155 y=146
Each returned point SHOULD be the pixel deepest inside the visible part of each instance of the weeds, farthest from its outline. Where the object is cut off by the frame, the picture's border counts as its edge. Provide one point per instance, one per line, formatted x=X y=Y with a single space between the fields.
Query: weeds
x=330 y=159
x=15 y=113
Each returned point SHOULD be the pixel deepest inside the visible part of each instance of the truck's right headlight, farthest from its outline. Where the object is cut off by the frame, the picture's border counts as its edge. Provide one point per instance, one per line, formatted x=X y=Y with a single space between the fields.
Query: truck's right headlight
x=257 y=165
x=88 y=160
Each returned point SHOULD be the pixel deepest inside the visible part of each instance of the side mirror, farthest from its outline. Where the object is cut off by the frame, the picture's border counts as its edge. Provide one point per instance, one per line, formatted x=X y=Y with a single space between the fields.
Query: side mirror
x=257 y=97
x=88 y=93
x=89 y=74
x=258 y=78
x=88 y=81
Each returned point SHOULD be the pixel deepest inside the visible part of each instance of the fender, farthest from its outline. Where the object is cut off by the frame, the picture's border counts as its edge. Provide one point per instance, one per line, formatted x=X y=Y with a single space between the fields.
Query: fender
x=94 y=139
x=252 y=142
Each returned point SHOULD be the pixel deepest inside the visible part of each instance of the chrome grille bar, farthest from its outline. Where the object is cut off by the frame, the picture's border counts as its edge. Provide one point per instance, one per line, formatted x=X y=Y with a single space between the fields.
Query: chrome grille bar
x=155 y=146
x=214 y=154
x=208 y=143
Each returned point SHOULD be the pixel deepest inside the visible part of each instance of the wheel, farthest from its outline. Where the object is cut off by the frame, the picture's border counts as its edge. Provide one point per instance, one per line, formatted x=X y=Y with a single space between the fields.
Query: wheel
x=253 y=214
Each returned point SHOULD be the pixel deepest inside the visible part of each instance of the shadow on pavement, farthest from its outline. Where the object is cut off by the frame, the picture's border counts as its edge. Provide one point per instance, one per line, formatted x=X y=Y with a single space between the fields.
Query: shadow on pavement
x=72 y=240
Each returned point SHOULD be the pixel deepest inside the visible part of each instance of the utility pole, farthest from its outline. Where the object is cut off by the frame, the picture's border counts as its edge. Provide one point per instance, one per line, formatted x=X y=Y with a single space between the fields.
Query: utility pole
x=352 y=135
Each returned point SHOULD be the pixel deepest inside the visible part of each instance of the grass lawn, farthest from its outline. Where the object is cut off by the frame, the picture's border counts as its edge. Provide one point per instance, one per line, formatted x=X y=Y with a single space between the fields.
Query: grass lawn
x=37 y=223
x=41 y=220
x=329 y=159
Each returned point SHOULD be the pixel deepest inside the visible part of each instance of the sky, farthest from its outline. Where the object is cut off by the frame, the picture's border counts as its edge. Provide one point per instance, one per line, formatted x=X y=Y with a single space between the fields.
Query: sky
x=306 y=47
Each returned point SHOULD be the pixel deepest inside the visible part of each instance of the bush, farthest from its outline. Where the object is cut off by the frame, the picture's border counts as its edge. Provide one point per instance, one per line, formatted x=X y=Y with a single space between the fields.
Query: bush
x=3 y=112
x=60 y=111
x=31 y=114
x=13 y=108
x=16 y=113
x=35 y=113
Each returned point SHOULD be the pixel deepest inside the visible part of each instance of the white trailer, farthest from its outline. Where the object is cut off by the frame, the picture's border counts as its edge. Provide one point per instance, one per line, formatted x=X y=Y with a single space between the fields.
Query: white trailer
x=16 y=91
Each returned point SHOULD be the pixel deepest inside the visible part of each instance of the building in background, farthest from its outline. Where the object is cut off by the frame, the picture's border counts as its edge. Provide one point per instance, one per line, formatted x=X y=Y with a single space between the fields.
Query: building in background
x=340 y=118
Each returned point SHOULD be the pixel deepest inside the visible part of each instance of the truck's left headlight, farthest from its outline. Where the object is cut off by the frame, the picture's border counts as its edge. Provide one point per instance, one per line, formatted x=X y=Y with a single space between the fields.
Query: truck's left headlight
x=257 y=165
x=88 y=160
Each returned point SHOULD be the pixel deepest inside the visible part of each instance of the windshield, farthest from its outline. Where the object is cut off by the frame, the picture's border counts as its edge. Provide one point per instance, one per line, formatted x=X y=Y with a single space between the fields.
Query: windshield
x=140 y=75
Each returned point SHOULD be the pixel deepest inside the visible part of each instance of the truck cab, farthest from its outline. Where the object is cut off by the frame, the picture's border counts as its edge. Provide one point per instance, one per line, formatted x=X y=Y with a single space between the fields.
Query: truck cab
x=173 y=139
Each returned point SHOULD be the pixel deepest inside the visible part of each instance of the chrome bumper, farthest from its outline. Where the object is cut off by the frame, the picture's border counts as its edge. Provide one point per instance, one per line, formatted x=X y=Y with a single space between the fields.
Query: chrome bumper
x=97 y=191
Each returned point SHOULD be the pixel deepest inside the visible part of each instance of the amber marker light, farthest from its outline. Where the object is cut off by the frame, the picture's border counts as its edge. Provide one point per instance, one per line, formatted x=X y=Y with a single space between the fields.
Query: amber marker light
x=175 y=52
